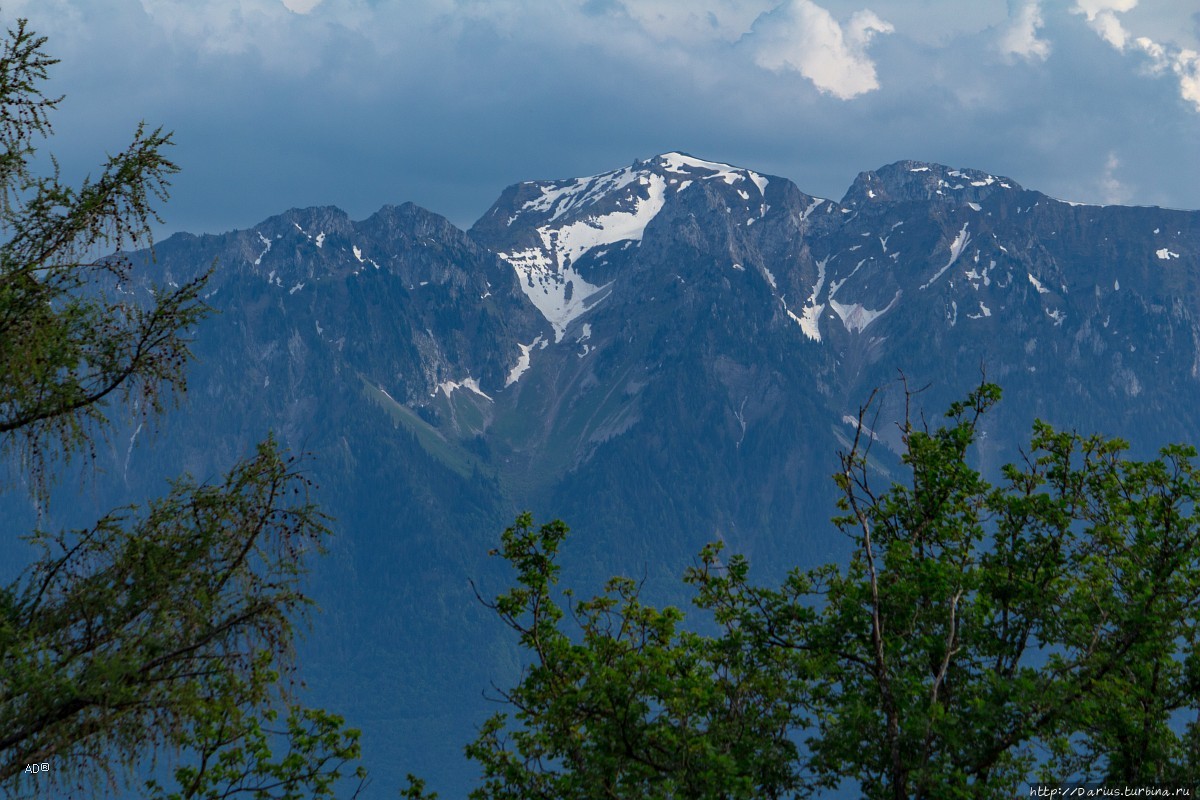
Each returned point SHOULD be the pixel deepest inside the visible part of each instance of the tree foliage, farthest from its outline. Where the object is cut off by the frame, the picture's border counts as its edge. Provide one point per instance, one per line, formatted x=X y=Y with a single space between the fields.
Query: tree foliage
x=69 y=335
x=979 y=637
x=632 y=706
x=161 y=630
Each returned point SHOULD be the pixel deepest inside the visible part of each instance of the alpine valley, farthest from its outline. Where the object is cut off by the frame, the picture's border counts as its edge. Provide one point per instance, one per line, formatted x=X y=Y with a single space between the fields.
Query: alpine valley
x=662 y=355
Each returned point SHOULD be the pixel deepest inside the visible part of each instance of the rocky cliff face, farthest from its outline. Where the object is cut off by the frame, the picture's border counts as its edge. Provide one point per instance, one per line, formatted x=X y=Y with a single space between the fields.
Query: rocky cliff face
x=664 y=354
x=753 y=311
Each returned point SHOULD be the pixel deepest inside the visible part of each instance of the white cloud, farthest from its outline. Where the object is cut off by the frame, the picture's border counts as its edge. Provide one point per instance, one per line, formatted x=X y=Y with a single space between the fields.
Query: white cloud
x=1112 y=190
x=1110 y=29
x=1020 y=36
x=1094 y=8
x=1183 y=62
x=1102 y=17
x=301 y=6
x=801 y=36
x=1187 y=67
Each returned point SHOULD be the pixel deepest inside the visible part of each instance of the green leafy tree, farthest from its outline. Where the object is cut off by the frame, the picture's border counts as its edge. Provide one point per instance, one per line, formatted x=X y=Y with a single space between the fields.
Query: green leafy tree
x=990 y=635
x=620 y=702
x=163 y=630
x=980 y=636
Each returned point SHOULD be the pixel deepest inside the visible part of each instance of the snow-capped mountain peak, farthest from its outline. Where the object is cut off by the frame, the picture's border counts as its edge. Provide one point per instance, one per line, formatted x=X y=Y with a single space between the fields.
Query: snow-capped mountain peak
x=566 y=221
x=553 y=227
x=621 y=190
x=555 y=199
x=699 y=169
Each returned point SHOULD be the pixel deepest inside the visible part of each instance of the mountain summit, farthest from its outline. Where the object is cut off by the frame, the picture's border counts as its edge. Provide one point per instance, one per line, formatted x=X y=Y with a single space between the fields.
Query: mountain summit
x=920 y=182
x=565 y=239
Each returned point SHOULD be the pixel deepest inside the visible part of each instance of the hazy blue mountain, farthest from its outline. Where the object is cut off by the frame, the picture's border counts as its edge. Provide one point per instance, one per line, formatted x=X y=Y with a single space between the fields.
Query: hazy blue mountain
x=662 y=355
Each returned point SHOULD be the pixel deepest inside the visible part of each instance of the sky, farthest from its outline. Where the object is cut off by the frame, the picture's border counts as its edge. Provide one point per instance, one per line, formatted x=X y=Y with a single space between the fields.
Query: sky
x=278 y=104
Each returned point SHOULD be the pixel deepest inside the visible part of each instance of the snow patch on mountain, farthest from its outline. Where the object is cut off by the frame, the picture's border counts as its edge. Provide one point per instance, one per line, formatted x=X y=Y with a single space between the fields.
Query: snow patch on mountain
x=522 y=364
x=266 y=249
x=572 y=226
x=133 y=438
x=856 y=317
x=572 y=241
x=683 y=164
x=956 y=248
x=811 y=208
x=810 y=323
x=853 y=422
x=548 y=275
x=579 y=193
x=770 y=276
x=449 y=387
x=984 y=311
x=559 y=293
x=810 y=315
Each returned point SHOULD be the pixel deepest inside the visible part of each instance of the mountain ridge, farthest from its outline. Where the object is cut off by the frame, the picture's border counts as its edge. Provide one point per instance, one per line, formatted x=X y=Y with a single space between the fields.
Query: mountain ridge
x=688 y=375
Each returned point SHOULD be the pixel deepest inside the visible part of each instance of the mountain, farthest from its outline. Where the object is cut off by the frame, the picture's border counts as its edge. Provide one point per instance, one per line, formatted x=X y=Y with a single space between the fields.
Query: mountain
x=662 y=355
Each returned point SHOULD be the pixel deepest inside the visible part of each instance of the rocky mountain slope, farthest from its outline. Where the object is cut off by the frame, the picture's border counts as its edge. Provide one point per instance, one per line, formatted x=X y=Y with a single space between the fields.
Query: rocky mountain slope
x=663 y=354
